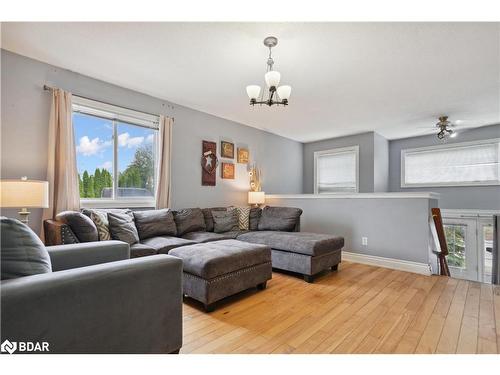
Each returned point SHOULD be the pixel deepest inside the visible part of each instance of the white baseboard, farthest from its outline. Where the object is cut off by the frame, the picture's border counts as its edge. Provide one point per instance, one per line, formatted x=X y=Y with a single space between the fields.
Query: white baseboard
x=396 y=264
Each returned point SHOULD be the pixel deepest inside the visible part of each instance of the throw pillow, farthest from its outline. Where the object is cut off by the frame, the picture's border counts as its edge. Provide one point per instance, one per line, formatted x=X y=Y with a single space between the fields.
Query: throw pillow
x=122 y=227
x=209 y=220
x=81 y=225
x=154 y=223
x=189 y=220
x=225 y=221
x=243 y=217
x=279 y=218
x=101 y=222
x=23 y=253
x=253 y=222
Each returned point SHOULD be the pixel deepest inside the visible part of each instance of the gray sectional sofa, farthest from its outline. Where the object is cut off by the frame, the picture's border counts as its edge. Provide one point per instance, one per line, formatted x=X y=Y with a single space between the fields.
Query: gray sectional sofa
x=219 y=259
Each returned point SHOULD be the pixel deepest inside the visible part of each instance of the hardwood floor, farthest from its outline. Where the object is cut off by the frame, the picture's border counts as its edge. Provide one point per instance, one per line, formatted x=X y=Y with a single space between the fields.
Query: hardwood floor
x=359 y=309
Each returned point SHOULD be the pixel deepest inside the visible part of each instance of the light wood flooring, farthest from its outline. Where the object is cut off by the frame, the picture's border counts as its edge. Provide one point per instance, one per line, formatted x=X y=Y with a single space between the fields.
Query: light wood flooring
x=359 y=309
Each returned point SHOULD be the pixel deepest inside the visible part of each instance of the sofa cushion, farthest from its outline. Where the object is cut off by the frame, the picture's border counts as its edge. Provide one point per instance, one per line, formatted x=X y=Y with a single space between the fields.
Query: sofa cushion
x=254 y=218
x=189 y=220
x=140 y=250
x=23 y=253
x=209 y=220
x=81 y=225
x=225 y=221
x=122 y=227
x=296 y=242
x=201 y=237
x=217 y=258
x=279 y=218
x=101 y=222
x=152 y=223
x=163 y=244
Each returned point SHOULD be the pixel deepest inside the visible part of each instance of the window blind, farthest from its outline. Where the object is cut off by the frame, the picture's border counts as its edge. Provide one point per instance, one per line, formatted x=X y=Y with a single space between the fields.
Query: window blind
x=453 y=165
x=336 y=172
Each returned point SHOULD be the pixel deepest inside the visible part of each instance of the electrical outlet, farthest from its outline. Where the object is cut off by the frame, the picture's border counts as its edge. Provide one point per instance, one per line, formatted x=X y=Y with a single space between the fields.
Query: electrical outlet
x=364 y=241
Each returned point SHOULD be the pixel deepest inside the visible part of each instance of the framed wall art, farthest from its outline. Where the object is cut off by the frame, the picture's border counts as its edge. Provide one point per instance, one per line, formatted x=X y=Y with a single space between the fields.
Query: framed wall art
x=227 y=170
x=227 y=150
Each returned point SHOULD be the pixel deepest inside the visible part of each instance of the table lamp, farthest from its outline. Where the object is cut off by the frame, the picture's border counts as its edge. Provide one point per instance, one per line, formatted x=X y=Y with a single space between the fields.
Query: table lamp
x=256 y=197
x=24 y=194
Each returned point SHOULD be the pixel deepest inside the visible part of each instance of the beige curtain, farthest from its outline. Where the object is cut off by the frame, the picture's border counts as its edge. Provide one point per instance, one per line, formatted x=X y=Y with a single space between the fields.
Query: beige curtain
x=62 y=173
x=163 y=191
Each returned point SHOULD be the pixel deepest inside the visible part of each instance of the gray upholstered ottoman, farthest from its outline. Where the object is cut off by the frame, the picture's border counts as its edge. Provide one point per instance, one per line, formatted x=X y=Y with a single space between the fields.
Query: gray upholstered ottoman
x=218 y=269
x=302 y=252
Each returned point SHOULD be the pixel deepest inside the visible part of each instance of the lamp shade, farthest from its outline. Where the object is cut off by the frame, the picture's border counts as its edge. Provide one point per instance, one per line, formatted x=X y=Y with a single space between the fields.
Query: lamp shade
x=24 y=193
x=253 y=91
x=256 y=197
x=284 y=92
x=272 y=78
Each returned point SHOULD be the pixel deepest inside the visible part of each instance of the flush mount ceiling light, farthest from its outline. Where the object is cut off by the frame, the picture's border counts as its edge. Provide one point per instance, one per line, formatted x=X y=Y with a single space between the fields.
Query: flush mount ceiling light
x=277 y=94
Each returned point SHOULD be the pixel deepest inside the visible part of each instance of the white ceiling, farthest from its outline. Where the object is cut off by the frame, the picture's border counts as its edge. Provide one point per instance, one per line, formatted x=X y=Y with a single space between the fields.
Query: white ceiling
x=346 y=78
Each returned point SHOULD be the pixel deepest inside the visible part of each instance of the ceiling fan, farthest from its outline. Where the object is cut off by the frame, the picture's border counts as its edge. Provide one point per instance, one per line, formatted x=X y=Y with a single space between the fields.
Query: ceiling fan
x=445 y=128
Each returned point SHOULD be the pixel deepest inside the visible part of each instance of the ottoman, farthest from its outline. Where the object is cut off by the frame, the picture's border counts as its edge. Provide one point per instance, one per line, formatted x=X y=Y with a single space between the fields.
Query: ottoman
x=218 y=269
x=301 y=252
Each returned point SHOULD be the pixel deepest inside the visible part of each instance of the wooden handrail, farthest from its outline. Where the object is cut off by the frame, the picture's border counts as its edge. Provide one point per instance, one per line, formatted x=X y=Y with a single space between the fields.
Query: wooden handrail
x=438 y=223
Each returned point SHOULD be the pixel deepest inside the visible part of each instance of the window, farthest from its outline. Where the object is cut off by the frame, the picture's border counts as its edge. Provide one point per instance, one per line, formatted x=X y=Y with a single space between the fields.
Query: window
x=336 y=171
x=116 y=153
x=461 y=164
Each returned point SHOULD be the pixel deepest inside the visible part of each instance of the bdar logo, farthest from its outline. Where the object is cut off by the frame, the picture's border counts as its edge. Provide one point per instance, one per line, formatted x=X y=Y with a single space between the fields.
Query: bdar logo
x=8 y=346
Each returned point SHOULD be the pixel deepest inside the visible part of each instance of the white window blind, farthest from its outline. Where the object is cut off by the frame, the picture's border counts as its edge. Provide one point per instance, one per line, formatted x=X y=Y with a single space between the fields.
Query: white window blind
x=462 y=164
x=336 y=170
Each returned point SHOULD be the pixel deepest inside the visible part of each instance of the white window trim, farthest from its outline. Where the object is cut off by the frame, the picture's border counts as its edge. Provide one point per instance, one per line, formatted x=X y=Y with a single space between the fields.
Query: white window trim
x=333 y=151
x=116 y=114
x=447 y=146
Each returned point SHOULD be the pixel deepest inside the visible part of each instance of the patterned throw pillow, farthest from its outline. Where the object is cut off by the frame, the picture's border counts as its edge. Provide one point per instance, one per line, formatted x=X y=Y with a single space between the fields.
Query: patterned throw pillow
x=100 y=220
x=243 y=217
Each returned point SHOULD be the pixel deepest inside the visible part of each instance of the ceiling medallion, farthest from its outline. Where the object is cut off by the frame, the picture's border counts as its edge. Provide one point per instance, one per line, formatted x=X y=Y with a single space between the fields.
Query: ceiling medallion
x=276 y=94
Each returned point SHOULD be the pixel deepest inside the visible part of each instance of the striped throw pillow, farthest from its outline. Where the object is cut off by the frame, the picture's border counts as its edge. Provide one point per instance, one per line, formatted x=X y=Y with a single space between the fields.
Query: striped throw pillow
x=243 y=216
x=100 y=220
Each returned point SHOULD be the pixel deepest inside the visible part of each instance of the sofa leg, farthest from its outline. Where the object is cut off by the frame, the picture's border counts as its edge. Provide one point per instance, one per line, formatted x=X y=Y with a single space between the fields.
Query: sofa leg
x=309 y=278
x=209 y=307
x=262 y=286
x=335 y=267
x=175 y=351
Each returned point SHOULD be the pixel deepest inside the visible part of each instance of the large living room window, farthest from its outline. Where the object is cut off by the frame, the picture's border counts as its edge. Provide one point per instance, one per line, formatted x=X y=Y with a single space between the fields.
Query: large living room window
x=336 y=170
x=116 y=152
x=460 y=164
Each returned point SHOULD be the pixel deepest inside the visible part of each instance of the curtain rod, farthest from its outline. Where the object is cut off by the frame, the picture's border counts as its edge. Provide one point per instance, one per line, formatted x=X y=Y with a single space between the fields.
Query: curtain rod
x=50 y=88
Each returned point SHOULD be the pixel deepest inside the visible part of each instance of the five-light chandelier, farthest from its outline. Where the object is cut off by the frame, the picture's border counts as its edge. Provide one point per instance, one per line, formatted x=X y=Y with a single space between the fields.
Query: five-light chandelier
x=277 y=94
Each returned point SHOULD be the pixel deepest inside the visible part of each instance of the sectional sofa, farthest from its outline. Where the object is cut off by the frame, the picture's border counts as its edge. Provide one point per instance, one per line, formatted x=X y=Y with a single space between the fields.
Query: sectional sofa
x=221 y=256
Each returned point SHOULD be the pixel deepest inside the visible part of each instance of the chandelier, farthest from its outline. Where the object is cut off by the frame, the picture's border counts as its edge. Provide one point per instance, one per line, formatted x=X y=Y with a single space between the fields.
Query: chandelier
x=444 y=128
x=276 y=94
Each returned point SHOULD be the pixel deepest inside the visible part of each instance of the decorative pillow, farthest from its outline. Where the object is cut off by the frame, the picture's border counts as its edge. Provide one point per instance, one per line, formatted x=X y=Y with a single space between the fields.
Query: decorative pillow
x=154 y=223
x=209 y=220
x=122 y=227
x=279 y=218
x=101 y=222
x=23 y=253
x=189 y=220
x=81 y=225
x=243 y=217
x=253 y=222
x=225 y=221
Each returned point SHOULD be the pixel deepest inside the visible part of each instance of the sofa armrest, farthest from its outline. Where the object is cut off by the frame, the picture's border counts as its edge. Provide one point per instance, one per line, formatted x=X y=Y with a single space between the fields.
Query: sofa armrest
x=83 y=254
x=129 y=306
x=58 y=233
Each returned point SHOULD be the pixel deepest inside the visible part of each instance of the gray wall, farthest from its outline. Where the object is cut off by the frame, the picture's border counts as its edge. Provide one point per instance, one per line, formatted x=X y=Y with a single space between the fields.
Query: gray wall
x=476 y=197
x=380 y=163
x=400 y=222
x=365 y=142
x=25 y=112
